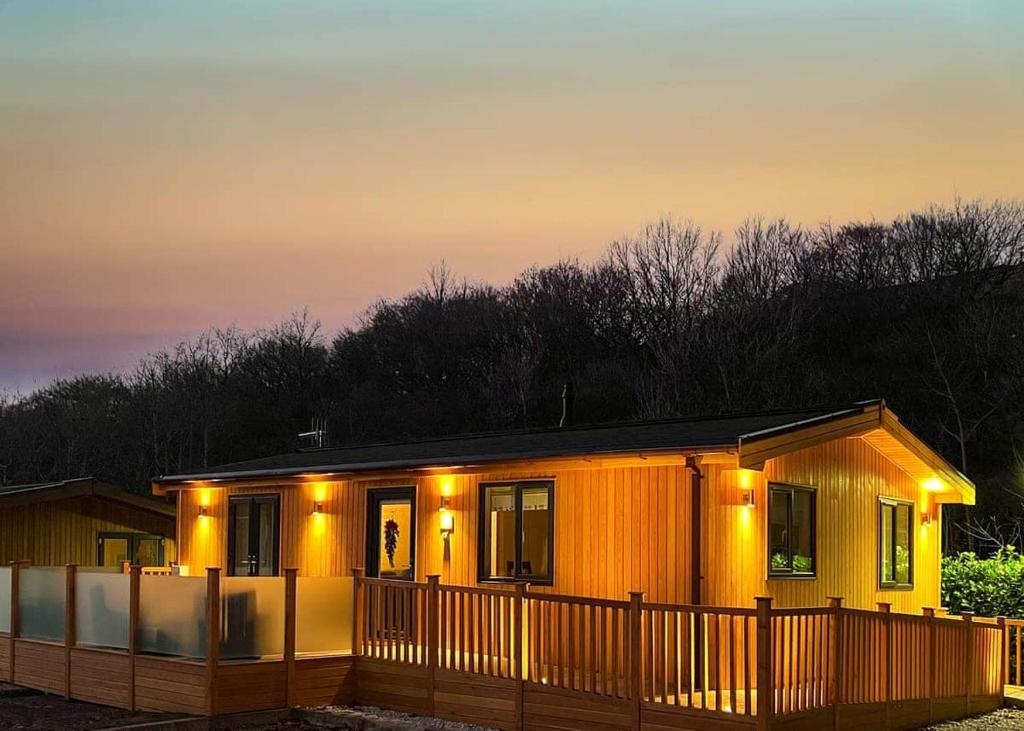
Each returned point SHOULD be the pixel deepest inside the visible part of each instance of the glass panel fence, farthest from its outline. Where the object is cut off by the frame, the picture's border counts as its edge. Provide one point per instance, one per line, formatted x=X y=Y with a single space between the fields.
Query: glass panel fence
x=5 y=598
x=323 y=615
x=41 y=600
x=252 y=617
x=101 y=608
x=172 y=615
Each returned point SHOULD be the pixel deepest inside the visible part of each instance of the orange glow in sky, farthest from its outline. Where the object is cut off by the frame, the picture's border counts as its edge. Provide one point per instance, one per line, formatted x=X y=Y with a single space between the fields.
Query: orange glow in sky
x=167 y=168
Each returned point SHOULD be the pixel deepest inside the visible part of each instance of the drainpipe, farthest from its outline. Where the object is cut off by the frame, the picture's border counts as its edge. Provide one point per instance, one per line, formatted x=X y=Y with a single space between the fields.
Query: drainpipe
x=693 y=464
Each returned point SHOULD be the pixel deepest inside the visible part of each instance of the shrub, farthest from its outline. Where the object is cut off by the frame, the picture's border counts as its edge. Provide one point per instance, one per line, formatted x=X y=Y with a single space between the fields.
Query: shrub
x=989 y=587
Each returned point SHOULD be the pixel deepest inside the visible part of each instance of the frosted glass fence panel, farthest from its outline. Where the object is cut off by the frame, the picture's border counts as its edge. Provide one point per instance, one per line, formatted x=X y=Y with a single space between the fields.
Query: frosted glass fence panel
x=5 y=598
x=252 y=617
x=42 y=595
x=323 y=615
x=172 y=615
x=101 y=609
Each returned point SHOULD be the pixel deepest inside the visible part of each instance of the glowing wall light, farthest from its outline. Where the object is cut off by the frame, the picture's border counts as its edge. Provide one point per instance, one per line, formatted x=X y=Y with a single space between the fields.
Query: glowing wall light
x=446 y=519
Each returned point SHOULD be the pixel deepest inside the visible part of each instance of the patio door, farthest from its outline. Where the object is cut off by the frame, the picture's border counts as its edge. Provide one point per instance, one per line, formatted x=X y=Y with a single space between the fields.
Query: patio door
x=254 y=531
x=391 y=533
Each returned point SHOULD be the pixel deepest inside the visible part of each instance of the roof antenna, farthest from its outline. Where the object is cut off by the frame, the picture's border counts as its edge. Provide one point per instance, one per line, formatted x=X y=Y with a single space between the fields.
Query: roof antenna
x=317 y=434
x=567 y=399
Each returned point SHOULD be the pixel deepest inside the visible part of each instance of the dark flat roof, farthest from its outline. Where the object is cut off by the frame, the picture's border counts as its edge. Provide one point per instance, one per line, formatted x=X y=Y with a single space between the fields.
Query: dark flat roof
x=691 y=433
x=80 y=486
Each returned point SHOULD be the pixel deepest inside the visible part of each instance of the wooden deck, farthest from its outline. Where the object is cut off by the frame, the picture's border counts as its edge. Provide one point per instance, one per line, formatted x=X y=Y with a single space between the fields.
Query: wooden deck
x=518 y=659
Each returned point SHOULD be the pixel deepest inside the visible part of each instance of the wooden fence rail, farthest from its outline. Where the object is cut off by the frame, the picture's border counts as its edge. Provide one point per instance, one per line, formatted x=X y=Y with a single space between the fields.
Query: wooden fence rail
x=701 y=660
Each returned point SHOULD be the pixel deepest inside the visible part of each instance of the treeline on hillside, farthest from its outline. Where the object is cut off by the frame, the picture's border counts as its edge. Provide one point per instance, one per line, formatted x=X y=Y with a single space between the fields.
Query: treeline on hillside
x=925 y=311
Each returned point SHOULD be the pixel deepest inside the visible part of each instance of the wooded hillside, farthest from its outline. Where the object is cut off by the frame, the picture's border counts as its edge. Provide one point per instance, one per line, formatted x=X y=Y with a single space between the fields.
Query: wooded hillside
x=926 y=311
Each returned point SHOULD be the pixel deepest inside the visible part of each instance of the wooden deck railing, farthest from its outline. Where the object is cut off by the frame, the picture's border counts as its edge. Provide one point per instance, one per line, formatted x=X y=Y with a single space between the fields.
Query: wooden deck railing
x=503 y=657
x=699 y=660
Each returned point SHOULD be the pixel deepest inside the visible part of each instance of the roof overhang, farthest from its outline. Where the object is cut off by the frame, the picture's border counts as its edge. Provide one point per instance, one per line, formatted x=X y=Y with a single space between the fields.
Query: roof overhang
x=82 y=487
x=880 y=428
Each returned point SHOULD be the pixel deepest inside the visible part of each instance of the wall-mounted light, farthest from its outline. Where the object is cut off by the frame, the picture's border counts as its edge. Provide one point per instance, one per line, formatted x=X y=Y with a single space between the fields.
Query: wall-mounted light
x=318 y=508
x=446 y=519
x=926 y=518
x=202 y=511
x=748 y=498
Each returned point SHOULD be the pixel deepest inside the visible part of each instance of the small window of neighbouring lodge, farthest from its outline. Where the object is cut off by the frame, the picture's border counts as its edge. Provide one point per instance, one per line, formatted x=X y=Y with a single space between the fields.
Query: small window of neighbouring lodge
x=507 y=511
x=791 y=531
x=896 y=545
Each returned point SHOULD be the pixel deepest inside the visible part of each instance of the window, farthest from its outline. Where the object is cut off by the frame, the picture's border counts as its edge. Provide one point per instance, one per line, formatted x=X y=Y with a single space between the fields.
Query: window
x=895 y=543
x=145 y=549
x=791 y=531
x=516 y=521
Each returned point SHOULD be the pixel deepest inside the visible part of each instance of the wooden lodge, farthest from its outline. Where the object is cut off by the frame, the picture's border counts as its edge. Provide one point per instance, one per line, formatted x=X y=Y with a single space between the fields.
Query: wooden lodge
x=772 y=570
x=85 y=521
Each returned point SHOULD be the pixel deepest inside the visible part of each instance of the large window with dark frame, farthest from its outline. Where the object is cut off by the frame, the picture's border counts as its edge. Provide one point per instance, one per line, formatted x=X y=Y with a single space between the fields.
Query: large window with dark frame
x=896 y=543
x=516 y=527
x=792 y=531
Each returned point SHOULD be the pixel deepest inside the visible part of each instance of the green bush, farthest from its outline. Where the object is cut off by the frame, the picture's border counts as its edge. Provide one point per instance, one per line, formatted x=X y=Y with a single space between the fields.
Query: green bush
x=989 y=587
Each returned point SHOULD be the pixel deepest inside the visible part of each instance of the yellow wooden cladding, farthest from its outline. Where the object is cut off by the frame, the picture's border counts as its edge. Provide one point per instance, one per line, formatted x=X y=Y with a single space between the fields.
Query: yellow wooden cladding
x=849 y=475
x=55 y=533
x=616 y=530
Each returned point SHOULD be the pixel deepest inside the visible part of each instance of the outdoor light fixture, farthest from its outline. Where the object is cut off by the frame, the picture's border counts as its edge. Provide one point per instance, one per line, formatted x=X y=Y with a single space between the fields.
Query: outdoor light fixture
x=202 y=511
x=318 y=507
x=748 y=498
x=447 y=519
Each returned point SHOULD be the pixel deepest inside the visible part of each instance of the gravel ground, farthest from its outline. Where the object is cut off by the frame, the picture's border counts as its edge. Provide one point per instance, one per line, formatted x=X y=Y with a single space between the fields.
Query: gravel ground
x=38 y=712
x=1005 y=719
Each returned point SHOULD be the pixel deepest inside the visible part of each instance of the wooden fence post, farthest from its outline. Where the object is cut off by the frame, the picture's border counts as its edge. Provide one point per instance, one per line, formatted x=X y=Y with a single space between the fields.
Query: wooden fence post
x=835 y=603
x=357 y=611
x=929 y=614
x=212 y=637
x=1004 y=671
x=885 y=608
x=636 y=608
x=765 y=691
x=521 y=672
x=968 y=618
x=71 y=572
x=134 y=579
x=290 y=583
x=16 y=567
x=432 y=638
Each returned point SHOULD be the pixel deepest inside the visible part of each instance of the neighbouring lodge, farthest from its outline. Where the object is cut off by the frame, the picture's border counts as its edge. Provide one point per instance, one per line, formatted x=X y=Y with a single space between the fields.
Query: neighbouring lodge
x=86 y=521
x=797 y=505
x=763 y=571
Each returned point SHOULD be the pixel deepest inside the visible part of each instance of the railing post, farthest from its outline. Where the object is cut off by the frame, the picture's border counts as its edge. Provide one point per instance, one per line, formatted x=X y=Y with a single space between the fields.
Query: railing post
x=968 y=618
x=929 y=614
x=134 y=583
x=212 y=637
x=71 y=571
x=290 y=581
x=520 y=673
x=1004 y=671
x=433 y=600
x=16 y=567
x=885 y=608
x=765 y=691
x=357 y=611
x=835 y=603
x=636 y=608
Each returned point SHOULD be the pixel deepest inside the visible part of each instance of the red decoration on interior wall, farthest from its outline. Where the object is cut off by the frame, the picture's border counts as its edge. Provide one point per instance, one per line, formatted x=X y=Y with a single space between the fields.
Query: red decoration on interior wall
x=391 y=539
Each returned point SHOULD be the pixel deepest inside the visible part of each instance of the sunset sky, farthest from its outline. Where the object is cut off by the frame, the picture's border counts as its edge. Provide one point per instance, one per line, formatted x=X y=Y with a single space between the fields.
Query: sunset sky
x=167 y=167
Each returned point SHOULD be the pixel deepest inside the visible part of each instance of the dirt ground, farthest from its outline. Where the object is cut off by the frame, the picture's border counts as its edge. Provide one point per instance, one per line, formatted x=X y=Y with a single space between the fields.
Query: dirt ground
x=1006 y=719
x=50 y=712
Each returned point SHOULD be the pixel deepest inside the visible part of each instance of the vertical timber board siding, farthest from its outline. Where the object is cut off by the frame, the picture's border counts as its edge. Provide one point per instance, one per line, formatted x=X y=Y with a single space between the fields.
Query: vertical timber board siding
x=616 y=530
x=60 y=532
x=850 y=476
